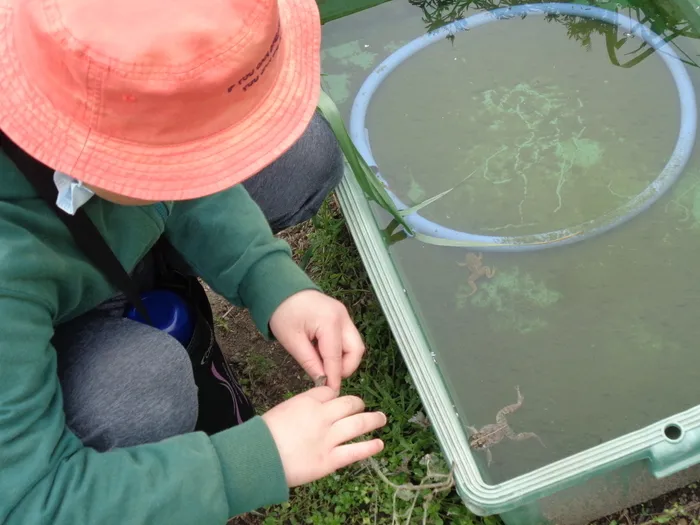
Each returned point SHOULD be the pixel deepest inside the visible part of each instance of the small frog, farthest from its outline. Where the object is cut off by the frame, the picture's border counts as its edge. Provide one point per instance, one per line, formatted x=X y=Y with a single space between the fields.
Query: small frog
x=473 y=262
x=491 y=434
x=320 y=381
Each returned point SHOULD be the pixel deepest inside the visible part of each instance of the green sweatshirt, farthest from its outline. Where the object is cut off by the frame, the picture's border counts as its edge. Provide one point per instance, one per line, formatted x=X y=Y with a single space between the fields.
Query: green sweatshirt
x=46 y=474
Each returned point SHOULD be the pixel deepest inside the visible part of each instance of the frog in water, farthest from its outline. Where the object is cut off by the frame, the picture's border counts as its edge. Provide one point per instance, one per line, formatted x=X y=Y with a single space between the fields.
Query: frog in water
x=473 y=262
x=493 y=433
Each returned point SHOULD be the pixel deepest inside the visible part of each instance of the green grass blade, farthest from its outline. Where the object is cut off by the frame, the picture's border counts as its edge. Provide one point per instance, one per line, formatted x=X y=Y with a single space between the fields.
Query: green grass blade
x=364 y=175
x=437 y=241
x=366 y=178
x=413 y=209
x=423 y=204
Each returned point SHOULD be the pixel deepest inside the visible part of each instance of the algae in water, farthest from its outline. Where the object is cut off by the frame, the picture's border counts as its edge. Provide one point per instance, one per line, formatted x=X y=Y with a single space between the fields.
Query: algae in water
x=584 y=153
x=416 y=193
x=337 y=87
x=551 y=168
x=350 y=54
x=515 y=301
x=394 y=46
x=684 y=201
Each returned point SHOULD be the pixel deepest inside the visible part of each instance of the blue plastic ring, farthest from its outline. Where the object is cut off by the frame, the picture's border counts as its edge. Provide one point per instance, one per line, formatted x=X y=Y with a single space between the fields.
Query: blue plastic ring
x=671 y=172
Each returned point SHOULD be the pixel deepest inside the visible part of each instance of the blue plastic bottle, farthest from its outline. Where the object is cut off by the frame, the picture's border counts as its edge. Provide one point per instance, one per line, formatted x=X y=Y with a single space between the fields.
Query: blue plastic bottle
x=169 y=312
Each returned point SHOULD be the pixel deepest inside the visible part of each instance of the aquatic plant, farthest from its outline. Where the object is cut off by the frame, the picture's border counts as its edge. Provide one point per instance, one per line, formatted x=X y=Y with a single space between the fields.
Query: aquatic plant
x=516 y=301
x=545 y=149
x=375 y=190
x=684 y=201
x=668 y=19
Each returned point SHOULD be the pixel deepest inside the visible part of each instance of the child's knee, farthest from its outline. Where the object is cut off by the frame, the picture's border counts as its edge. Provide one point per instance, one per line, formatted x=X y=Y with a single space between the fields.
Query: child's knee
x=137 y=387
x=329 y=157
x=317 y=156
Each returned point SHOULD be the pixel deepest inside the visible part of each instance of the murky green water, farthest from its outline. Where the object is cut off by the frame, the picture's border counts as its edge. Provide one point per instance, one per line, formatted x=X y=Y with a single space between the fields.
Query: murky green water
x=601 y=336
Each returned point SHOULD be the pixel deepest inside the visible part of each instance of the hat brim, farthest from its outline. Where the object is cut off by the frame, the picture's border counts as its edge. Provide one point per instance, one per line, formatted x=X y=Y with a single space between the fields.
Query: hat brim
x=173 y=172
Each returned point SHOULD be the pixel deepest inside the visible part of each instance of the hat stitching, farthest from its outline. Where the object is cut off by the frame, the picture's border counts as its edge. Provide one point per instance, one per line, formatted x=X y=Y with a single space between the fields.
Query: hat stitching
x=180 y=69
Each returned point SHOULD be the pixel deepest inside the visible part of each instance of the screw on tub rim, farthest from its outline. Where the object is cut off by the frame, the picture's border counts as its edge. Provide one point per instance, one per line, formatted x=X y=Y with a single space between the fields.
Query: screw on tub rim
x=668 y=176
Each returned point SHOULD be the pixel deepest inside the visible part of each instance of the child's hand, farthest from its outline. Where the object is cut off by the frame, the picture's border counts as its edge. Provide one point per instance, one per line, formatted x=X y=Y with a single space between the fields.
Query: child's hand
x=311 y=428
x=308 y=317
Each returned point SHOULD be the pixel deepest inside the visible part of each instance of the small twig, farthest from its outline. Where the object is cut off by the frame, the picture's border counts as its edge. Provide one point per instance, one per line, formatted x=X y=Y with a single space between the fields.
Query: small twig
x=227 y=312
x=411 y=486
x=409 y=513
x=428 y=499
x=376 y=504
x=435 y=488
x=626 y=515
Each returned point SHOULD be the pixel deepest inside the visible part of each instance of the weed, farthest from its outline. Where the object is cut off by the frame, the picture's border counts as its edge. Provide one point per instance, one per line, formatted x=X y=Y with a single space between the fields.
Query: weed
x=222 y=323
x=260 y=364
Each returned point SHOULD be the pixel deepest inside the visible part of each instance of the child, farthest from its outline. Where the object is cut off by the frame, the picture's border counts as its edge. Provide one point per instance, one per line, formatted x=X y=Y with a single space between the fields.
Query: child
x=153 y=114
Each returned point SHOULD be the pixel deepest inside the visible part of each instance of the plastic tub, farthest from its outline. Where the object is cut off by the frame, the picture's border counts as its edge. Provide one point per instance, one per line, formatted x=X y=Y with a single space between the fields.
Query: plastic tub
x=633 y=467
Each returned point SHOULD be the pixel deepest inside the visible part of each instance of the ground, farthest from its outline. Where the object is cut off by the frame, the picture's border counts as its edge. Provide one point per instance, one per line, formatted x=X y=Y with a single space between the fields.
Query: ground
x=358 y=495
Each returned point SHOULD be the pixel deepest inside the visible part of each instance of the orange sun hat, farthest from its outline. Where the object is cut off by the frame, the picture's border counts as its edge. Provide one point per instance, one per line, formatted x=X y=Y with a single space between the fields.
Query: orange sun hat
x=158 y=100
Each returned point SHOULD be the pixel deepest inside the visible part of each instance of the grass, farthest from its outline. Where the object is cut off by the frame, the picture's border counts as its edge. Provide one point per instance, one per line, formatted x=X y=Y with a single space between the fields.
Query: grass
x=357 y=495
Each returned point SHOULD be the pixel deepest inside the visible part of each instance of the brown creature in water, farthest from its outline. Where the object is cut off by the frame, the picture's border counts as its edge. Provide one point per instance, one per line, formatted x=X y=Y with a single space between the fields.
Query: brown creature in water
x=473 y=262
x=493 y=433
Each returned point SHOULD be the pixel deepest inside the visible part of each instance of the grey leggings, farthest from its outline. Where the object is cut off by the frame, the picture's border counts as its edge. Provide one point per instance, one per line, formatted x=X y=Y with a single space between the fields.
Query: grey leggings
x=125 y=383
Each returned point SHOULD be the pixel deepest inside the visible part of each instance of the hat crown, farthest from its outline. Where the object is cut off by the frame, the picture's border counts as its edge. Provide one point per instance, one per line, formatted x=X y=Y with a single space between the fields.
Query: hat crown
x=148 y=71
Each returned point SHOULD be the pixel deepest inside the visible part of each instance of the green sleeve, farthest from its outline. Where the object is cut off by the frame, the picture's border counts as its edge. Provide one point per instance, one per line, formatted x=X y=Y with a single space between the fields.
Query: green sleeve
x=227 y=241
x=48 y=476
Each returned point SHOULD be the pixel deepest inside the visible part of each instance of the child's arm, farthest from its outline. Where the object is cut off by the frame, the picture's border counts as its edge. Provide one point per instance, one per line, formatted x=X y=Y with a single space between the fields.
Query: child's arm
x=227 y=241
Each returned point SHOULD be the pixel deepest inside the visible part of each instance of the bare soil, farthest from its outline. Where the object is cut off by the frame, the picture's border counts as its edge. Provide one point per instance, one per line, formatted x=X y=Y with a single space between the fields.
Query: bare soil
x=267 y=372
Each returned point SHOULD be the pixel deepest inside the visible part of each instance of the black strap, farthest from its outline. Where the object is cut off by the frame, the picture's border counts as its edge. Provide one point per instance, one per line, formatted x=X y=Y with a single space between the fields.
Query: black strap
x=84 y=232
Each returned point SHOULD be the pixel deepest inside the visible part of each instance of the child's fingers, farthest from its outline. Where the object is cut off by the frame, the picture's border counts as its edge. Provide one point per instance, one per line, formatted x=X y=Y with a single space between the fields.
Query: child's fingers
x=343 y=407
x=322 y=394
x=353 y=348
x=305 y=353
x=345 y=455
x=330 y=346
x=355 y=426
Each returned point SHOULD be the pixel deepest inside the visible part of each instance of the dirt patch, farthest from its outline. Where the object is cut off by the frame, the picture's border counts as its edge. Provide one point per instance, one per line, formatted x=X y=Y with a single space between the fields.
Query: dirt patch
x=267 y=372
x=680 y=507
